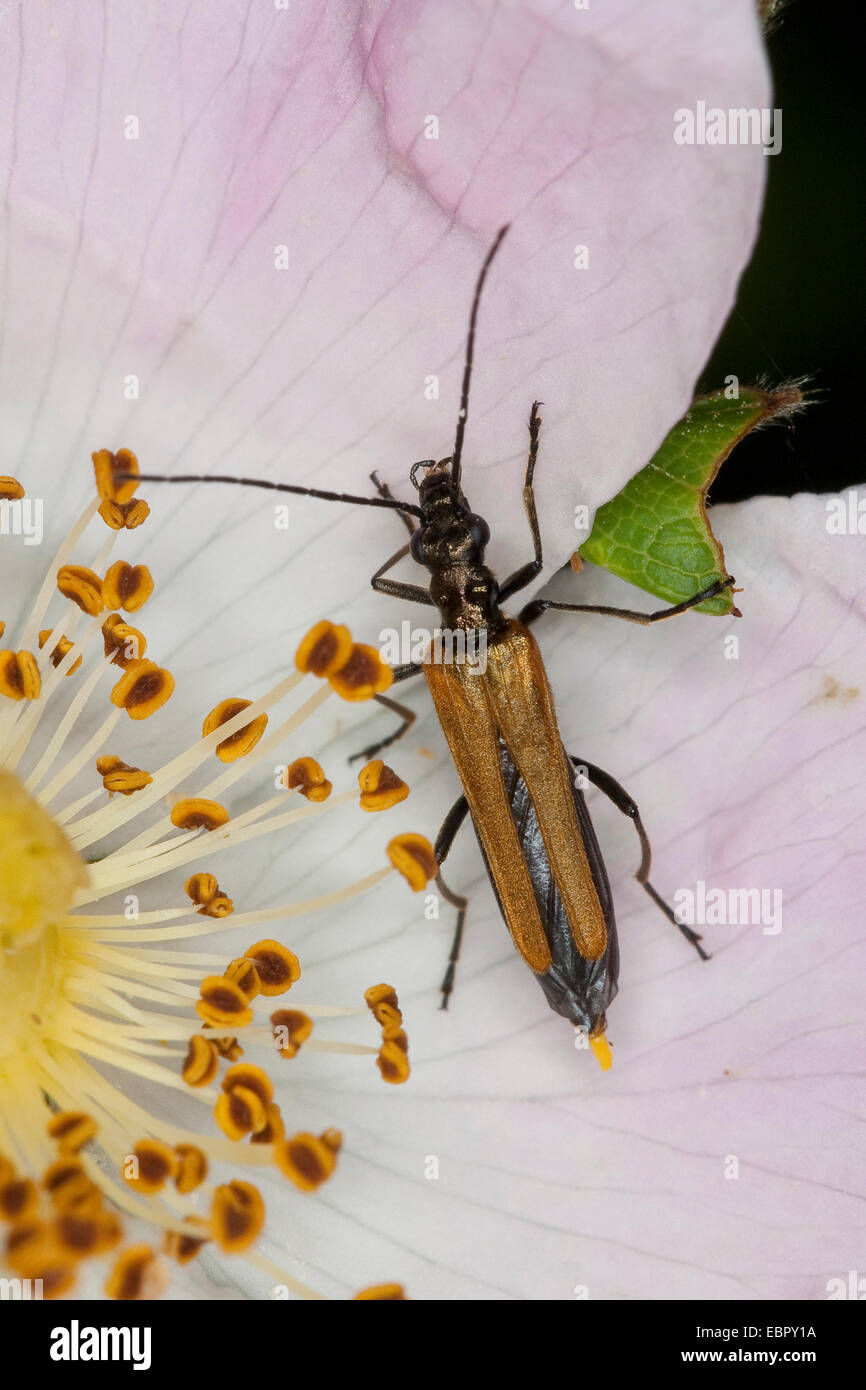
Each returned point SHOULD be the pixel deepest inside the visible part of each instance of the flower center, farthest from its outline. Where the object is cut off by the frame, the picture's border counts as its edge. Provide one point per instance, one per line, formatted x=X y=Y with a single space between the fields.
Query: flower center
x=40 y=874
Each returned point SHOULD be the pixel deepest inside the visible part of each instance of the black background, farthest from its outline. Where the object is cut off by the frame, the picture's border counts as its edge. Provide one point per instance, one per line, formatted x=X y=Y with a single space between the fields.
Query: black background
x=800 y=309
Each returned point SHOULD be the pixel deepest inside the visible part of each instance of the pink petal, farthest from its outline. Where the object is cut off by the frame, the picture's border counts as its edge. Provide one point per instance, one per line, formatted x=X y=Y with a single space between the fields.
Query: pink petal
x=553 y=1174
x=304 y=127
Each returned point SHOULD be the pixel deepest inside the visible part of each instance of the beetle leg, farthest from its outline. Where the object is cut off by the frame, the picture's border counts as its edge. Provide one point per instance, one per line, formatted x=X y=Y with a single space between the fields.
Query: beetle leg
x=625 y=803
x=408 y=716
x=384 y=491
x=538 y=606
x=444 y=841
x=396 y=588
x=520 y=578
x=450 y=826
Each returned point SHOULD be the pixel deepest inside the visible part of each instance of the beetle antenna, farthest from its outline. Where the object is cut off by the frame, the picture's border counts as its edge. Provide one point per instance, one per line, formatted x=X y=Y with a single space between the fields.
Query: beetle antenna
x=467 y=366
x=390 y=502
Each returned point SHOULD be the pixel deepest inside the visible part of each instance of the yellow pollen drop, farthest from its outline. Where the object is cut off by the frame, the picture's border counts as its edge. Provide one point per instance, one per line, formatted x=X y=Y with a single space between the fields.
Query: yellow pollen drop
x=601 y=1051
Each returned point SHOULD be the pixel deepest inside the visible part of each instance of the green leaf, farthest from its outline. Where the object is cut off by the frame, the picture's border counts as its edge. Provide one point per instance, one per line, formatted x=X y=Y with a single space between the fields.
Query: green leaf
x=656 y=533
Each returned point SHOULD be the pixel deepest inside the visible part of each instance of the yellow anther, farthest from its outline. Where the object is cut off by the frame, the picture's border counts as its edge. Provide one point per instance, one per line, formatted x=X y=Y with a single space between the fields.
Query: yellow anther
x=59 y=651
x=197 y=813
x=305 y=775
x=118 y=776
x=120 y=516
x=83 y=587
x=237 y=745
x=324 y=649
x=306 y=1160
x=137 y=1274
x=106 y=465
x=380 y=786
x=364 y=675
x=143 y=688
x=72 y=1129
x=204 y=891
x=150 y=1165
x=413 y=856
x=244 y=974
x=393 y=1063
x=278 y=967
x=127 y=586
x=291 y=1028
x=201 y=1061
x=183 y=1246
x=19 y=676
x=191 y=1168
x=237 y=1216
x=127 y=644
x=223 y=1002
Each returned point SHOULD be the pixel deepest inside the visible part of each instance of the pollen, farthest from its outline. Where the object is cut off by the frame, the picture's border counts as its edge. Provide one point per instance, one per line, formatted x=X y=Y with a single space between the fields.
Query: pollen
x=137 y=1274
x=240 y=1111
x=123 y=643
x=19 y=676
x=354 y=671
x=291 y=1028
x=118 y=776
x=601 y=1050
x=197 y=813
x=61 y=647
x=273 y=1129
x=107 y=466
x=201 y=1063
x=205 y=893
x=413 y=856
x=393 y=1063
x=150 y=1165
x=191 y=1170
x=223 y=1002
x=72 y=1129
x=124 y=516
x=244 y=974
x=382 y=1002
x=127 y=586
x=380 y=786
x=185 y=1245
x=278 y=967
x=305 y=775
x=237 y=1216
x=10 y=489
x=241 y=742
x=83 y=587
x=308 y=1161
x=392 y=1293
x=325 y=649
x=143 y=689
x=364 y=675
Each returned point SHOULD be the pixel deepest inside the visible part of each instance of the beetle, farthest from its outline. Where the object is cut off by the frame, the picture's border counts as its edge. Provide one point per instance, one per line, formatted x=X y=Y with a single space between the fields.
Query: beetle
x=519 y=787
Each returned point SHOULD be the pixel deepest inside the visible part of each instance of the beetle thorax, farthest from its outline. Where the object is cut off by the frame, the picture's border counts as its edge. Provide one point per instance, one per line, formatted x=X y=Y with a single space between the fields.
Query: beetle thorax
x=450 y=542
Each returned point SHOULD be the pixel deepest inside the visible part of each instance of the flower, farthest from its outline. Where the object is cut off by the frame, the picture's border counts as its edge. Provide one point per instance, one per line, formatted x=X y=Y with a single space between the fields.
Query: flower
x=238 y=247
x=90 y=981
